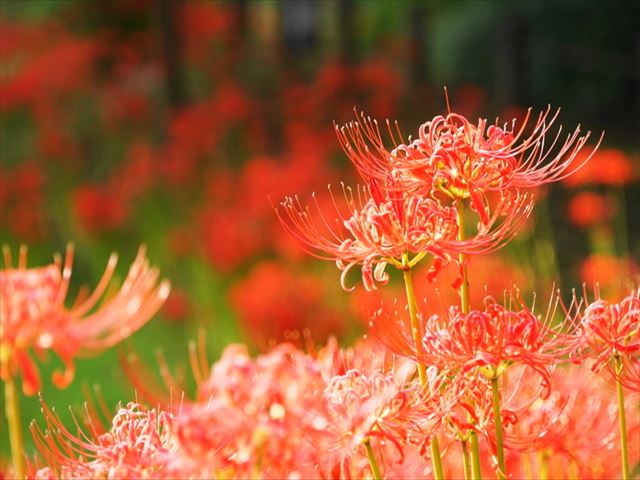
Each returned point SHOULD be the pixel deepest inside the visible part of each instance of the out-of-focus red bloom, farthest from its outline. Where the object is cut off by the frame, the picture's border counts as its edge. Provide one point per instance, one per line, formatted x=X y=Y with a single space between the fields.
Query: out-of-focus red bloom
x=587 y=209
x=63 y=67
x=278 y=397
x=609 y=273
x=488 y=273
x=234 y=228
x=21 y=200
x=34 y=316
x=202 y=25
x=575 y=425
x=98 y=208
x=608 y=166
x=176 y=307
x=273 y=301
x=231 y=237
x=137 y=174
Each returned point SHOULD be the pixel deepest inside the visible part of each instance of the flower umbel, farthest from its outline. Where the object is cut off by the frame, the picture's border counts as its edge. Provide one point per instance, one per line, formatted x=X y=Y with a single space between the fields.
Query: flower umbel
x=378 y=225
x=462 y=160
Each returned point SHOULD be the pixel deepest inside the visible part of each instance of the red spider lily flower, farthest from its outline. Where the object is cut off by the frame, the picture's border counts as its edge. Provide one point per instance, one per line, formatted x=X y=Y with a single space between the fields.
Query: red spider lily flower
x=34 y=316
x=462 y=160
x=611 y=331
x=490 y=340
x=385 y=225
x=575 y=425
x=138 y=445
x=277 y=398
x=378 y=405
x=629 y=377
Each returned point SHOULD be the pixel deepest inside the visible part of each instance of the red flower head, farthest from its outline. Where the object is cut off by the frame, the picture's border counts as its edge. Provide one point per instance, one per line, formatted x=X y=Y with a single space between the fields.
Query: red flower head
x=385 y=226
x=575 y=425
x=490 y=340
x=461 y=160
x=138 y=445
x=611 y=331
x=382 y=405
x=33 y=314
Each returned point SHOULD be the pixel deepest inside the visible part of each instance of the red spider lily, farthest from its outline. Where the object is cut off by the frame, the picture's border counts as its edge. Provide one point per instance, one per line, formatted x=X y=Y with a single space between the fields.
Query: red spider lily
x=629 y=376
x=380 y=405
x=611 y=331
x=461 y=160
x=383 y=225
x=34 y=316
x=136 y=446
x=573 y=426
x=277 y=398
x=490 y=340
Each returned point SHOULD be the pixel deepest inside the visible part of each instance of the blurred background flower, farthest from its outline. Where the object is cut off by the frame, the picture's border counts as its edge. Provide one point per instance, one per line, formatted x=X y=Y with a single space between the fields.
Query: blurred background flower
x=171 y=123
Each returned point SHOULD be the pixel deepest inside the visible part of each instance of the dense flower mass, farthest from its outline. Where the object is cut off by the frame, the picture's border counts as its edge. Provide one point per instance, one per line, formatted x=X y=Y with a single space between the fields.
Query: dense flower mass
x=287 y=414
x=34 y=317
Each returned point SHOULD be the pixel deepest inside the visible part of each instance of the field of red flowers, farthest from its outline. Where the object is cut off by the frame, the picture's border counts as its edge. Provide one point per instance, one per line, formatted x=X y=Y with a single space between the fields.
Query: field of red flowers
x=174 y=176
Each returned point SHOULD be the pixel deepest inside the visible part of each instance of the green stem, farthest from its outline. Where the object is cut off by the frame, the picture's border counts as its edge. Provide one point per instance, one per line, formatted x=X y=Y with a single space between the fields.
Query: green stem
x=422 y=371
x=464 y=287
x=12 y=404
x=543 y=469
x=375 y=470
x=623 y=421
x=464 y=308
x=413 y=314
x=435 y=459
x=465 y=460
x=495 y=389
x=476 y=473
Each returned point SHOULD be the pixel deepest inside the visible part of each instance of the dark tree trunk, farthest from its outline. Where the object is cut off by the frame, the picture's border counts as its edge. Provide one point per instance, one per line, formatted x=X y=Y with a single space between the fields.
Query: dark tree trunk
x=171 y=50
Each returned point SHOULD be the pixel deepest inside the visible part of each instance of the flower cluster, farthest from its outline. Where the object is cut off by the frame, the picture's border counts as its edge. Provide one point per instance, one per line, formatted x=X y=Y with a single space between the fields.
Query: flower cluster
x=415 y=193
x=287 y=414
